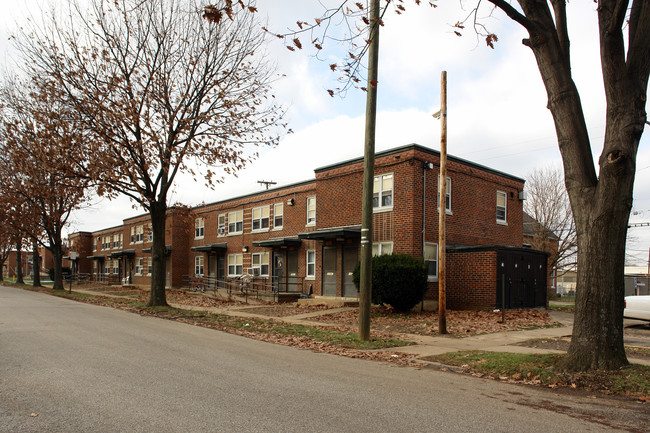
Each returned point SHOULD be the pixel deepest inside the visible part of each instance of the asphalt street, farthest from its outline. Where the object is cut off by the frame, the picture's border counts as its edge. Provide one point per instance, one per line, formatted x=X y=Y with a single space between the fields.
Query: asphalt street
x=73 y=367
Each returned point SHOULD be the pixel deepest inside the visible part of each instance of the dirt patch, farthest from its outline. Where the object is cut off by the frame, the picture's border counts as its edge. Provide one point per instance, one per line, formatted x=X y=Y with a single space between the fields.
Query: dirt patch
x=287 y=310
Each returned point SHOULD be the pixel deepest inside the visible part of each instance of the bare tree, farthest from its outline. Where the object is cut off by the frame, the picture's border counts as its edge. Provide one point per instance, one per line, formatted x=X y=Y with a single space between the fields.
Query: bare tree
x=160 y=90
x=548 y=204
x=40 y=135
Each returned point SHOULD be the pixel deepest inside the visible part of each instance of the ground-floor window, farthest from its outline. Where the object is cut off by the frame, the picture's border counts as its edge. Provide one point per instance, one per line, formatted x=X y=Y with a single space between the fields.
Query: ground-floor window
x=138 y=265
x=149 y=266
x=198 y=265
x=431 y=258
x=382 y=248
x=311 y=264
x=116 y=267
x=261 y=262
x=235 y=265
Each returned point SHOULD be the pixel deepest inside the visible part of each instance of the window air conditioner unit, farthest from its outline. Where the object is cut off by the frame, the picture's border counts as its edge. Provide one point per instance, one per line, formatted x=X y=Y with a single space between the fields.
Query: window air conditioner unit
x=221 y=230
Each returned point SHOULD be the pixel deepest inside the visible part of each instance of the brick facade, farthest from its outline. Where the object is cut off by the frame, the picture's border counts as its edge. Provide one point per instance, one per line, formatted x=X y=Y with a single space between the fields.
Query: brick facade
x=278 y=232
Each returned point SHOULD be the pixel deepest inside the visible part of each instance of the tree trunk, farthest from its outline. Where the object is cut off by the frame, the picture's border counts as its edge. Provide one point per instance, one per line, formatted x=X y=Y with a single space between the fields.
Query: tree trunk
x=19 y=263
x=36 y=268
x=57 y=255
x=158 y=214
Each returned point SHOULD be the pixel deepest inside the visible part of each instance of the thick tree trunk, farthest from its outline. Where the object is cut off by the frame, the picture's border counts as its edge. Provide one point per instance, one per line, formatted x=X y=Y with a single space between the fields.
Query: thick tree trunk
x=57 y=255
x=157 y=296
x=36 y=268
x=19 y=263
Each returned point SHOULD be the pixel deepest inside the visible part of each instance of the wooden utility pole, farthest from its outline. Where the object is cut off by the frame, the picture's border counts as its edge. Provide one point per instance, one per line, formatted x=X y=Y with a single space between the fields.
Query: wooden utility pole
x=442 y=211
x=365 y=283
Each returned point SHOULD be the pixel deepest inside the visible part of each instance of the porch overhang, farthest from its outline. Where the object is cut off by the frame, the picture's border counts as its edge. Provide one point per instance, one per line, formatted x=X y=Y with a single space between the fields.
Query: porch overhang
x=212 y=248
x=102 y=257
x=333 y=233
x=290 y=241
x=124 y=253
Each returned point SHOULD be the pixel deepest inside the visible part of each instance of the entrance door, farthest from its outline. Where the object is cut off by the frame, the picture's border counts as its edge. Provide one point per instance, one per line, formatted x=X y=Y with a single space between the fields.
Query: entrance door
x=221 y=271
x=350 y=260
x=212 y=270
x=278 y=272
x=329 y=270
x=167 y=273
x=292 y=271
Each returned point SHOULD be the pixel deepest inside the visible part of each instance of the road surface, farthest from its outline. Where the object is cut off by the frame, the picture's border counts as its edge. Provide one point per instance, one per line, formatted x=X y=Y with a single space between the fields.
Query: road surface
x=73 y=367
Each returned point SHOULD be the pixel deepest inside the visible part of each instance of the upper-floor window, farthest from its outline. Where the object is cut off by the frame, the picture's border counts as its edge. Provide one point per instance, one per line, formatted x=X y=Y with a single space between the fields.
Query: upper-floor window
x=137 y=234
x=501 y=207
x=311 y=210
x=117 y=240
x=199 y=227
x=221 y=225
x=261 y=262
x=106 y=243
x=150 y=235
x=447 y=194
x=382 y=192
x=236 y=222
x=311 y=264
x=97 y=242
x=382 y=248
x=198 y=265
x=278 y=215
x=431 y=259
x=235 y=264
x=260 y=218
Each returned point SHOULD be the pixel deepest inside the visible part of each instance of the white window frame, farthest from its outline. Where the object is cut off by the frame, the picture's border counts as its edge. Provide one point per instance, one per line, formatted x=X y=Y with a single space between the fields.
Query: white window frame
x=139 y=263
x=504 y=220
x=235 y=264
x=447 y=196
x=382 y=248
x=261 y=261
x=149 y=265
x=260 y=219
x=433 y=248
x=311 y=210
x=137 y=236
x=199 y=262
x=278 y=215
x=199 y=228
x=379 y=191
x=221 y=225
x=235 y=222
x=96 y=243
x=310 y=259
x=116 y=267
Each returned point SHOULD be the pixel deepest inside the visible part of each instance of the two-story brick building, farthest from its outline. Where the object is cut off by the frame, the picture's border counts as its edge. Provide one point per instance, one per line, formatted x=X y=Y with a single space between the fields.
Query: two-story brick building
x=306 y=235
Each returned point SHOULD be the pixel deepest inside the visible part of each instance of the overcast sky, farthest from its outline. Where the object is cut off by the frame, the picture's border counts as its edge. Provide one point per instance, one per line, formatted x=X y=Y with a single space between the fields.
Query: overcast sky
x=497 y=112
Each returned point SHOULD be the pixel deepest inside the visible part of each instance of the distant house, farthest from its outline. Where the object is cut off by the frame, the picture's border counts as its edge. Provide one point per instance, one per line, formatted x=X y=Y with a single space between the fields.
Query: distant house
x=305 y=236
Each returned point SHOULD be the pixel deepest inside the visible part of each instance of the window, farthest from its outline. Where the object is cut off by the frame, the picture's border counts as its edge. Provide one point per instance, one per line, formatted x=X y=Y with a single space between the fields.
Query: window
x=221 y=225
x=382 y=192
x=431 y=259
x=261 y=261
x=501 y=207
x=149 y=266
x=97 y=242
x=199 y=226
x=107 y=267
x=278 y=215
x=150 y=235
x=311 y=264
x=116 y=267
x=138 y=265
x=117 y=240
x=382 y=248
x=198 y=265
x=235 y=222
x=447 y=195
x=106 y=243
x=235 y=265
x=260 y=218
x=137 y=234
x=311 y=210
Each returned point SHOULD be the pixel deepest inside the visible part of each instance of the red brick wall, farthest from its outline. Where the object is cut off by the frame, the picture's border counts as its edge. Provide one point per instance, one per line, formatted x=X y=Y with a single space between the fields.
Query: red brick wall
x=471 y=280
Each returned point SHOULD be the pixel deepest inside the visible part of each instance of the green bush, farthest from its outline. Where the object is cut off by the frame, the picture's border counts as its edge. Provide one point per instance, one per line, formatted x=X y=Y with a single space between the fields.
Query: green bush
x=65 y=270
x=399 y=280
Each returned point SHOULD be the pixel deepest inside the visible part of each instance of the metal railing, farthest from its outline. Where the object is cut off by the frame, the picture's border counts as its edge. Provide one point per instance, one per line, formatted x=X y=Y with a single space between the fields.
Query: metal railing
x=244 y=285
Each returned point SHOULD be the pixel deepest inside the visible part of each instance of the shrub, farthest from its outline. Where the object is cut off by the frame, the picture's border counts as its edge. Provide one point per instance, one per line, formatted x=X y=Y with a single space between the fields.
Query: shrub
x=399 y=280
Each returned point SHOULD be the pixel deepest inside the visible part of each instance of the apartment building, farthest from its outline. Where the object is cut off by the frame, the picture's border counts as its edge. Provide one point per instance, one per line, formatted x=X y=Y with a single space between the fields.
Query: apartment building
x=305 y=236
